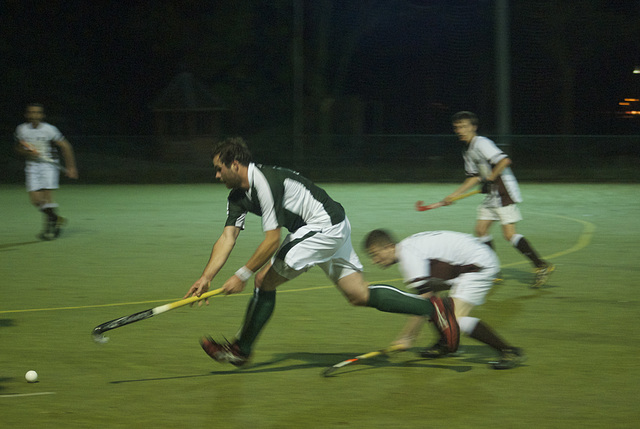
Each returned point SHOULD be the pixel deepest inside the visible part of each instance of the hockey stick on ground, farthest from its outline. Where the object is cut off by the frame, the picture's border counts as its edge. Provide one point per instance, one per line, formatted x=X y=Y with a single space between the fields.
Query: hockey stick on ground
x=328 y=371
x=99 y=330
x=421 y=207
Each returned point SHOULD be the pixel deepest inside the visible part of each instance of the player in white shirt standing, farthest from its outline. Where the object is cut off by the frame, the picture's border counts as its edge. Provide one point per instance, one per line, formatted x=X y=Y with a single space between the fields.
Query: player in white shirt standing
x=487 y=165
x=38 y=142
x=441 y=260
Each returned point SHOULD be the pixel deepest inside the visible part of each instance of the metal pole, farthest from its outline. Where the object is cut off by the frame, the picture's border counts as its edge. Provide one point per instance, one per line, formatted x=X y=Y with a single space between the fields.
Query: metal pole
x=503 y=72
x=298 y=82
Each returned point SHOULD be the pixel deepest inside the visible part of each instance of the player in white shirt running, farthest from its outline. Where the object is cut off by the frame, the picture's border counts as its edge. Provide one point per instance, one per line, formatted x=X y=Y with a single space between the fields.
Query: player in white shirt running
x=487 y=165
x=445 y=260
x=38 y=142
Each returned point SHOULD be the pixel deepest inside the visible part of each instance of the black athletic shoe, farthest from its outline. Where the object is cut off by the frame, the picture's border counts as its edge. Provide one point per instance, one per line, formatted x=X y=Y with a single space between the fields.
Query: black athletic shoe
x=57 y=227
x=437 y=350
x=444 y=319
x=223 y=352
x=510 y=358
x=48 y=233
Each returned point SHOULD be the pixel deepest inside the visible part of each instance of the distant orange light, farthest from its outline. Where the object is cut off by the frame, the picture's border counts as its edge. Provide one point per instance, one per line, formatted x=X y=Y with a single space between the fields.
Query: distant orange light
x=624 y=104
x=631 y=99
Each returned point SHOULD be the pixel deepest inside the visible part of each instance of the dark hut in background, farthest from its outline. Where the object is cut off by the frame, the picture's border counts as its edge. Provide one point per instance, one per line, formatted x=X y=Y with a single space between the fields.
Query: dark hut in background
x=188 y=120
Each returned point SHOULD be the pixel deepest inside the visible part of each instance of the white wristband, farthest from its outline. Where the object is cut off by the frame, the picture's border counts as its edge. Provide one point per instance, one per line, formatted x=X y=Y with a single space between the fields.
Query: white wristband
x=244 y=273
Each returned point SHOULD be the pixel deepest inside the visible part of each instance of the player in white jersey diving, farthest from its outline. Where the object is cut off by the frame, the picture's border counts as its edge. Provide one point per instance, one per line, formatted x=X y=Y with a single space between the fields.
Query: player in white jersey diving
x=319 y=235
x=488 y=166
x=38 y=142
x=434 y=261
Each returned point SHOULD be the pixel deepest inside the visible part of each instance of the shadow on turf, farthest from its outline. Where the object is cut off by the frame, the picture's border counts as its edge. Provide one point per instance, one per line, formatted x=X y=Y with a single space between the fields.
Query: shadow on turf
x=517 y=275
x=9 y=246
x=7 y=323
x=476 y=354
x=3 y=380
x=513 y=276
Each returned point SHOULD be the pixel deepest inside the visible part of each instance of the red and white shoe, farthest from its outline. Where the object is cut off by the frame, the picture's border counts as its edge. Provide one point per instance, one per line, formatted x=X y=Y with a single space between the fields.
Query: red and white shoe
x=444 y=318
x=223 y=352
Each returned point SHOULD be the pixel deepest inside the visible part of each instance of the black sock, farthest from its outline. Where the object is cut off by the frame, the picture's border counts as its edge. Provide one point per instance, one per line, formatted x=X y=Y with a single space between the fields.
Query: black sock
x=50 y=213
x=525 y=248
x=484 y=334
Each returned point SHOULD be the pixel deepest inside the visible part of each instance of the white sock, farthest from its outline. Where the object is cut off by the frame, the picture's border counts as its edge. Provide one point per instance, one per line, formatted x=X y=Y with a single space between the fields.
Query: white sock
x=468 y=324
x=515 y=239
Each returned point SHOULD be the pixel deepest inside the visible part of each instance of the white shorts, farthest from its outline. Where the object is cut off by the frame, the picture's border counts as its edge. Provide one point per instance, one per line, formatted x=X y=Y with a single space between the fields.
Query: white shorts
x=41 y=175
x=506 y=215
x=329 y=248
x=473 y=287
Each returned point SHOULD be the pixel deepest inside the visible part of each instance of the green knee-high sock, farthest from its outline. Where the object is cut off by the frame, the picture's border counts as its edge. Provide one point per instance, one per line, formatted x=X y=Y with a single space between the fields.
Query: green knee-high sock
x=259 y=312
x=392 y=300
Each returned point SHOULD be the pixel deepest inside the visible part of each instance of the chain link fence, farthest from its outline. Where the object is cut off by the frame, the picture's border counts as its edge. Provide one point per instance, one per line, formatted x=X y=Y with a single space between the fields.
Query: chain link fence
x=348 y=158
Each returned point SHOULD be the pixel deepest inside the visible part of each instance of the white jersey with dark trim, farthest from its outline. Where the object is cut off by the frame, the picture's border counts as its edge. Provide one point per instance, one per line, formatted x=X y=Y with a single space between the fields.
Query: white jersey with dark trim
x=41 y=138
x=480 y=157
x=283 y=198
x=441 y=254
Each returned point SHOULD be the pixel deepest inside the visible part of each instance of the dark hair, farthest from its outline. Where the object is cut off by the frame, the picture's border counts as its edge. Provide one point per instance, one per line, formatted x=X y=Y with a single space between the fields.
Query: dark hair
x=232 y=149
x=378 y=237
x=461 y=116
x=40 y=105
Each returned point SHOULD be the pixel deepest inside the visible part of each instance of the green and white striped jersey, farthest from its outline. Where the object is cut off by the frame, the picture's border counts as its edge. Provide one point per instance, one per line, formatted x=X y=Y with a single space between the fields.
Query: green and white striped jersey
x=283 y=198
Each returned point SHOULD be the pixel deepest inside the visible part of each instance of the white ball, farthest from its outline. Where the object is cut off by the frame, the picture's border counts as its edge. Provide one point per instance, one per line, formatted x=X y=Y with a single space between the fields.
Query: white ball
x=31 y=376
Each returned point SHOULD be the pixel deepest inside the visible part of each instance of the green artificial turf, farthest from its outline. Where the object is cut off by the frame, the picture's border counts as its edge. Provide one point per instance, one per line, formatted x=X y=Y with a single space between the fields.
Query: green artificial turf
x=129 y=248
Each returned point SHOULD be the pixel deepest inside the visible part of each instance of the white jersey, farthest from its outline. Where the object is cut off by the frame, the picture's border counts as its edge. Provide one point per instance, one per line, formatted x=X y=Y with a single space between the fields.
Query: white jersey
x=442 y=254
x=320 y=233
x=283 y=198
x=481 y=156
x=41 y=138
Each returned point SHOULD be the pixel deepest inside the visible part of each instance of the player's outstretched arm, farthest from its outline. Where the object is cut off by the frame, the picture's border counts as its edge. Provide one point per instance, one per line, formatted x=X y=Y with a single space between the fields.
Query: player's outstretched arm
x=409 y=332
x=219 y=255
x=466 y=185
x=260 y=257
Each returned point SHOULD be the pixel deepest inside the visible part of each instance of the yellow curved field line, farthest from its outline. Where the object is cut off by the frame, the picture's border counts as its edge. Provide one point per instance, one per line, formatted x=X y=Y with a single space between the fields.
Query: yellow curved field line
x=583 y=241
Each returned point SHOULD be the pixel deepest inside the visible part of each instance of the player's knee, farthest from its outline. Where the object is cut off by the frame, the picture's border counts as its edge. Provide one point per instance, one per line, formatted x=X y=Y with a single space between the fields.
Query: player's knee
x=269 y=280
x=357 y=297
x=356 y=291
x=357 y=301
x=355 y=288
x=360 y=300
x=462 y=308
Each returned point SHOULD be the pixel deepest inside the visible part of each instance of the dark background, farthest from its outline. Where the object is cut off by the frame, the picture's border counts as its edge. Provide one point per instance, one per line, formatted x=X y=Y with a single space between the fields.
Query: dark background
x=99 y=65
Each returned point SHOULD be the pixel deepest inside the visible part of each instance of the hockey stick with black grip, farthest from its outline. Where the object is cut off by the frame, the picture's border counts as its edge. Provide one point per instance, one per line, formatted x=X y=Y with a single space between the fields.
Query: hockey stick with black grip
x=98 y=331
